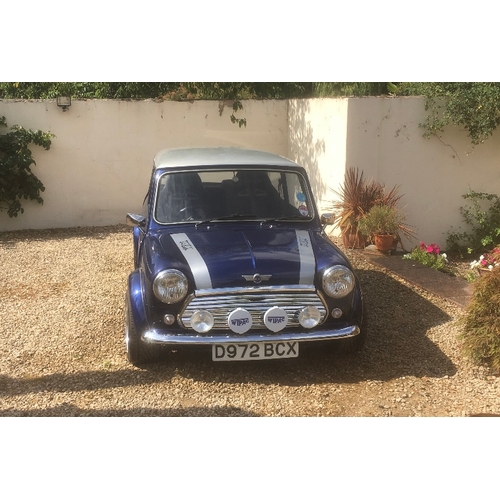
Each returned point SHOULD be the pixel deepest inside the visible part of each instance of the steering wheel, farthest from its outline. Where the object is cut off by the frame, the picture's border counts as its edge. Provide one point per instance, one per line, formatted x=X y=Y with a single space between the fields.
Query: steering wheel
x=189 y=212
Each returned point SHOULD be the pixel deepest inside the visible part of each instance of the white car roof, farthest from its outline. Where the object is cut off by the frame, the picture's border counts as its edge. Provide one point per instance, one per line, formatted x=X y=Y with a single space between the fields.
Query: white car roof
x=195 y=157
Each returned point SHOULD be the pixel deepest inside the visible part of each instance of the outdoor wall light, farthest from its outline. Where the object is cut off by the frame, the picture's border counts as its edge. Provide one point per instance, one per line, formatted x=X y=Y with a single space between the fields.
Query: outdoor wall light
x=64 y=102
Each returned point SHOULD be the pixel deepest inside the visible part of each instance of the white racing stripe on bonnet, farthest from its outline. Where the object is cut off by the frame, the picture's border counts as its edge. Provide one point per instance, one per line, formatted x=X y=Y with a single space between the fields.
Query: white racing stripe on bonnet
x=194 y=259
x=307 y=259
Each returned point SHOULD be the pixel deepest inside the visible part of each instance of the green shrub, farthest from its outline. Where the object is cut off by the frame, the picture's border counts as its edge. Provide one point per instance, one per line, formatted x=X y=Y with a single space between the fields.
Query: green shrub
x=381 y=219
x=483 y=218
x=472 y=105
x=17 y=180
x=428 y=255
x=481 y=323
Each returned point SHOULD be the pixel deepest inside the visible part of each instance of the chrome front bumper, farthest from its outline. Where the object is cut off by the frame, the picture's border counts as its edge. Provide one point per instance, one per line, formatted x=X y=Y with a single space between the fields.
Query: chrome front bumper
x=158 y=337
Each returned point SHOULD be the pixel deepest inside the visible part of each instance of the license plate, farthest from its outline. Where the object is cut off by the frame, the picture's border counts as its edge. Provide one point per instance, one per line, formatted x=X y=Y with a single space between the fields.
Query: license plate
x=257 y=350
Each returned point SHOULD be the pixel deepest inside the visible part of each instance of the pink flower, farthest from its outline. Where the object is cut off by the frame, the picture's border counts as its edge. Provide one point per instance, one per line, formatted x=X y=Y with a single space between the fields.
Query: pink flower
x=422 y=245
x=484 y=262
x=433 y=248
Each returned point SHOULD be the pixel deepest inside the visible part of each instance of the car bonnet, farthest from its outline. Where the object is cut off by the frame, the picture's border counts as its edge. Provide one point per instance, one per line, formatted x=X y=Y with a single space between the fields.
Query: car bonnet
x=220 y=258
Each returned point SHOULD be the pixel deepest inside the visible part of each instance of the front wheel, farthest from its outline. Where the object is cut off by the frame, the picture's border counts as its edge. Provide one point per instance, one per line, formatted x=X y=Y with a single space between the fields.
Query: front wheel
x=354 y=344
x=138 y=352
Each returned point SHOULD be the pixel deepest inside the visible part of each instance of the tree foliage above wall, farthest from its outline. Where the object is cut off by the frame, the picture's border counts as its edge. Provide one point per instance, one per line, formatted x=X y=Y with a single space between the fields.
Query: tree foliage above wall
x=190 y=90
x=151 y=90
x=472 y=105
x=348 y=89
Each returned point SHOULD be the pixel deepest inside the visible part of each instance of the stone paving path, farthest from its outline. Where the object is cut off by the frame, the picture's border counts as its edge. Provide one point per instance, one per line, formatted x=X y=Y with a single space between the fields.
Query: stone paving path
x=452 y=288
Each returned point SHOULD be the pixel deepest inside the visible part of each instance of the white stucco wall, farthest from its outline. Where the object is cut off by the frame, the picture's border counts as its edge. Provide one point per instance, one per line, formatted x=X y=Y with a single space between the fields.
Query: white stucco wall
x=386 y=142
x=382 y=137
x=317 y=135
x=99 y=163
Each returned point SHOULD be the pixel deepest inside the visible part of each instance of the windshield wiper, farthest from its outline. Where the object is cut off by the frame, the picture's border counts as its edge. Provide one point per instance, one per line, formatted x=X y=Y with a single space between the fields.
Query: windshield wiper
x=227 y=217
x=289 y=217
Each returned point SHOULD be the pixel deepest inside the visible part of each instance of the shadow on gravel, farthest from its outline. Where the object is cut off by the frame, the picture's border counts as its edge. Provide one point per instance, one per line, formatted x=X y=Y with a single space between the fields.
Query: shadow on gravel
x=87 y=380
x=396 y=346
x=69 y=410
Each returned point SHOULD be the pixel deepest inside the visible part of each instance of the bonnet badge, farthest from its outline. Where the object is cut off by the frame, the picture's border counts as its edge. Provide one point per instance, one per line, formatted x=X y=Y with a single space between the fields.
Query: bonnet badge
x=257 y=278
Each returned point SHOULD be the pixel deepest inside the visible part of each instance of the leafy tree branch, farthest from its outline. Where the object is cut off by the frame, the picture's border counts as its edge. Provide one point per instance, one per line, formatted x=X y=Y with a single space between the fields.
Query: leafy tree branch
x=472 y=105
x=17 y=181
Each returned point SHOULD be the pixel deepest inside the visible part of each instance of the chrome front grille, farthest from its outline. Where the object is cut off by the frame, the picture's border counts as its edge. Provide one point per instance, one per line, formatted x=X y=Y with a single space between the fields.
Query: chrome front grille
x=255 y=300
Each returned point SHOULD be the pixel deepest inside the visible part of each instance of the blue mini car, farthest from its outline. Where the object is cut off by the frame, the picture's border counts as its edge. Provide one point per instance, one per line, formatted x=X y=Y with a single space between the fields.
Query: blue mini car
x=230 y=253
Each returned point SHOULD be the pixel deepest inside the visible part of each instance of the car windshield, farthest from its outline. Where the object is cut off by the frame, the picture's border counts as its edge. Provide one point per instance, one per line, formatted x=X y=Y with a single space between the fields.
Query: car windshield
x=243 y=194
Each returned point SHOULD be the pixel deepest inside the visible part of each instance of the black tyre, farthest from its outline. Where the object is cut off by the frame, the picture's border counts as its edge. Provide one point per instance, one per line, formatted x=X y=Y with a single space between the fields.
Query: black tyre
x=138 y=352
x=354 y=344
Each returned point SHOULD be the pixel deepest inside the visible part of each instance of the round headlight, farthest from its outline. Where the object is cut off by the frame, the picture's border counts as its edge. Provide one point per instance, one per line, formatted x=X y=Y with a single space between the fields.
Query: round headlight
x=202 y=321
x=338 y=281
x=170 y=286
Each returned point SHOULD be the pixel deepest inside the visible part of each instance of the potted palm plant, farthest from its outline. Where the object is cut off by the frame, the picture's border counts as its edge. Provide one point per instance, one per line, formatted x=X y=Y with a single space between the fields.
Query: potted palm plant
x=382 y=223
x=355 y=198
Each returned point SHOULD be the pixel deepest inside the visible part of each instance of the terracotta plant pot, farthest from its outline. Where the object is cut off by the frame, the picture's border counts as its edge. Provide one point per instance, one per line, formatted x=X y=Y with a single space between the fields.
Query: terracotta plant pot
x=353 y=239
x=383 y=242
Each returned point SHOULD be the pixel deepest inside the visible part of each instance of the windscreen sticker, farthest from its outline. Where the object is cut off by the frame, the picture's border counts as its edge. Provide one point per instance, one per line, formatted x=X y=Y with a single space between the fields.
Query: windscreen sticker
x=307 y=259
x=301 y=197
x=194 y=259
x=303 y=210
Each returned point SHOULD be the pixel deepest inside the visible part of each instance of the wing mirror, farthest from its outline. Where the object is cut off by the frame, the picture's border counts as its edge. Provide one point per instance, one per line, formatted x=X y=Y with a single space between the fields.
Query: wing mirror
x=328 y=219
x=133 y=220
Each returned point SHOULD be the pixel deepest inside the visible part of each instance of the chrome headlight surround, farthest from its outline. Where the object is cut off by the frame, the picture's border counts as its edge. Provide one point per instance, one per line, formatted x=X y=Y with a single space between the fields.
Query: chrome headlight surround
x=170 y=286
x=338 y=281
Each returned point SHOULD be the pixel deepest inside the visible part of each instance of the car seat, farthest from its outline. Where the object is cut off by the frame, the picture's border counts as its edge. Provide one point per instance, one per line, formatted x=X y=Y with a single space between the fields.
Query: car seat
x=182 y=198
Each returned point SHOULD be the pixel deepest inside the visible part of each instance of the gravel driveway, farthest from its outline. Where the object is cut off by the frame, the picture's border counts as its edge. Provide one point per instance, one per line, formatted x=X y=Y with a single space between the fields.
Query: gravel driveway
x=62 y=348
